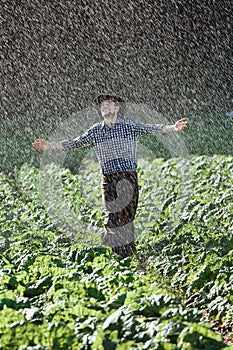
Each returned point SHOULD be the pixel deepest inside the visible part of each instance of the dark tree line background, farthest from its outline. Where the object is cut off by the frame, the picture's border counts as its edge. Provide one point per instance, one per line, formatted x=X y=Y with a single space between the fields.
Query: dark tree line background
x=57 y=55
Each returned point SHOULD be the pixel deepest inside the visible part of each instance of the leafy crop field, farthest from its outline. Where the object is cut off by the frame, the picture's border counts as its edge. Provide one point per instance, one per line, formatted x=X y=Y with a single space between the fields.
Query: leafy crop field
x=60 y=289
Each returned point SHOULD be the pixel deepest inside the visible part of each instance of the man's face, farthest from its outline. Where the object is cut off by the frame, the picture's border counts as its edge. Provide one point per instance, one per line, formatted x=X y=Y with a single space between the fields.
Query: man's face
x=108 y=108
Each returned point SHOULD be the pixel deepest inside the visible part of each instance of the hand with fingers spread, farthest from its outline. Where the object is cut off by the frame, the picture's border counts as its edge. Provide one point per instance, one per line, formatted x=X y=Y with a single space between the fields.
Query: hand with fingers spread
x=180 y=124
x=41 y=145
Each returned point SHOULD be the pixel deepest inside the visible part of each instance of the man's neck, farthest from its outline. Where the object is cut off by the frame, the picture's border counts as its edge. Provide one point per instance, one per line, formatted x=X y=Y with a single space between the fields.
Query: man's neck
x=110 y=121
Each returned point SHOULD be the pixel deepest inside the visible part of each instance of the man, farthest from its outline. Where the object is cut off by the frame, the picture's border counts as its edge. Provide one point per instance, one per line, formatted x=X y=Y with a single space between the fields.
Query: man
x=115 y=144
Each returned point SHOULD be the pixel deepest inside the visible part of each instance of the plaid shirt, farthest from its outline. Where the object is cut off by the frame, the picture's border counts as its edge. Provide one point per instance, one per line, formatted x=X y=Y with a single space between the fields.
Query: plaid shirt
x=116 y=148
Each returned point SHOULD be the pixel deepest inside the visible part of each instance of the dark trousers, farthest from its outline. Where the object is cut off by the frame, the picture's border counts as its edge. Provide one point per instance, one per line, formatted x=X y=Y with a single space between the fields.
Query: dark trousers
x=120 y=200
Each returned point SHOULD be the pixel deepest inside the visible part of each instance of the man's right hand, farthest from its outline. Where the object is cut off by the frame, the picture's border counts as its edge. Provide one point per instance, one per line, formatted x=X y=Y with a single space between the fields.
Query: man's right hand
x=41 y=145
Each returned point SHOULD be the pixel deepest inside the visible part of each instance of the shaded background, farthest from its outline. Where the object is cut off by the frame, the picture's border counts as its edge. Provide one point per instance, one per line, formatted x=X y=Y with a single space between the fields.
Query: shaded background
x=56 y=56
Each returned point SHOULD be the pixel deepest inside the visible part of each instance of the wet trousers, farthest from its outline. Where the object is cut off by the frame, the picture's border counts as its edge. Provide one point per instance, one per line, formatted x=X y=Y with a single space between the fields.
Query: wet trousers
x=120 y=200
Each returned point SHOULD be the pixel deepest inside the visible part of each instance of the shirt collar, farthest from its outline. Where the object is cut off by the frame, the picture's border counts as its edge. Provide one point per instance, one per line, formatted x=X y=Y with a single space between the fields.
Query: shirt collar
x=118 y=121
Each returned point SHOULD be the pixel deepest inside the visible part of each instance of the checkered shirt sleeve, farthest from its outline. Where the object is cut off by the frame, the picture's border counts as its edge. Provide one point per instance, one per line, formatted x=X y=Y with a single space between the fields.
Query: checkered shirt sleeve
x=144 y=128
x=81 y=141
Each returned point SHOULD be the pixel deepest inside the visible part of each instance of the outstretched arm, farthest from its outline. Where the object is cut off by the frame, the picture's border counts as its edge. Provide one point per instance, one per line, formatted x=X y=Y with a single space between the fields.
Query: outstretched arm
x=43 y=145
x=153 y=129
x=178 y=126
x=65 y=145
